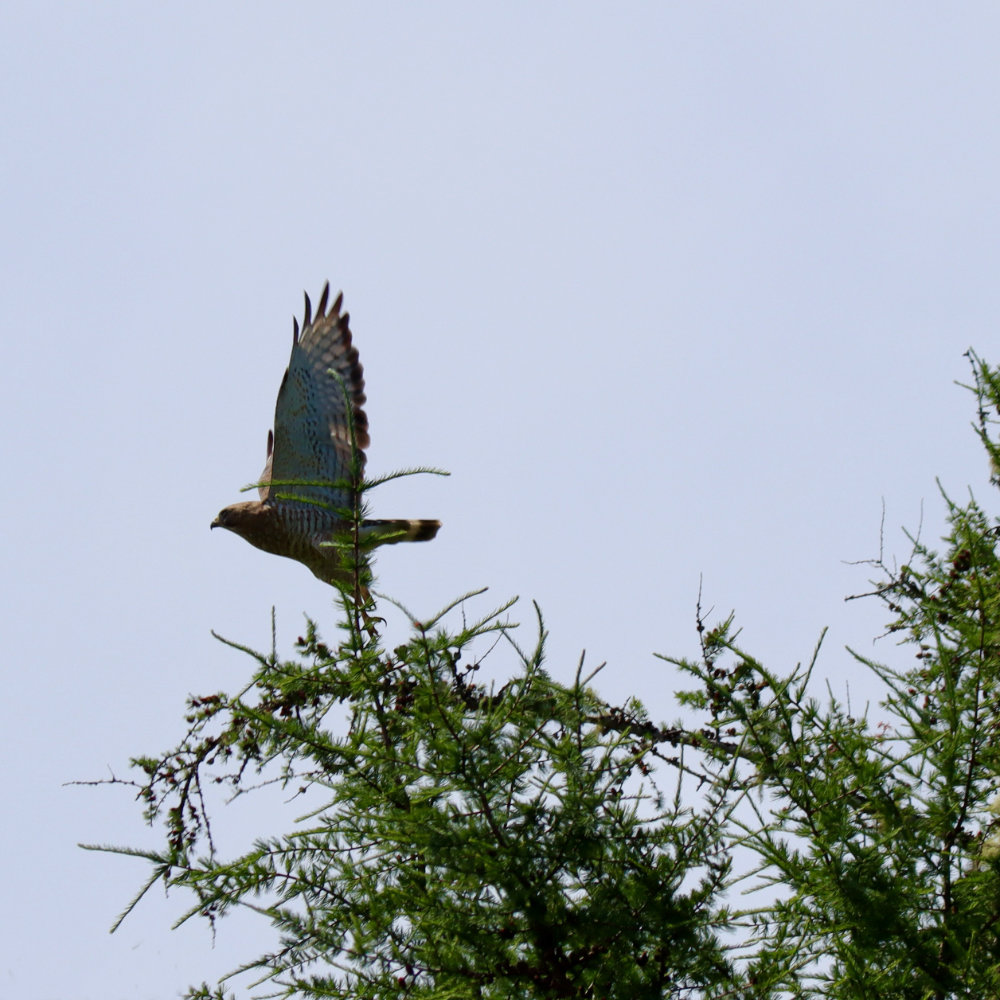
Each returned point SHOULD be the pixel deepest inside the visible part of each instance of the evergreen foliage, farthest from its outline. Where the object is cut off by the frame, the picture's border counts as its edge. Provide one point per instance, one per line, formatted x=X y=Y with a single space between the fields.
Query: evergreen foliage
x=525 y=839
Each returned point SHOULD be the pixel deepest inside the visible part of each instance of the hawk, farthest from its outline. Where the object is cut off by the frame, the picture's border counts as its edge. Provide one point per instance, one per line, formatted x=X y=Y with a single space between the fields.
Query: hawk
x=316 y=457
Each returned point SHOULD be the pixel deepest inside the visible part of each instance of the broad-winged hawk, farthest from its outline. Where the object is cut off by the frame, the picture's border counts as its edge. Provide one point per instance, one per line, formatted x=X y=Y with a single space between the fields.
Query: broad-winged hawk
x=309 y=478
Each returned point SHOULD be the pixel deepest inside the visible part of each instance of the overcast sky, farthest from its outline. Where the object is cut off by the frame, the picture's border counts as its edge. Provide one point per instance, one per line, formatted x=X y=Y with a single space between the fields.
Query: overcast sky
x=677 y=292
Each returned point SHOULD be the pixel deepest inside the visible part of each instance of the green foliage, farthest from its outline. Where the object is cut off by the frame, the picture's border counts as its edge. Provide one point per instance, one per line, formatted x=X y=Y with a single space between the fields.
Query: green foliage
x=879 y=840
x=462 y=841
x=525 y=839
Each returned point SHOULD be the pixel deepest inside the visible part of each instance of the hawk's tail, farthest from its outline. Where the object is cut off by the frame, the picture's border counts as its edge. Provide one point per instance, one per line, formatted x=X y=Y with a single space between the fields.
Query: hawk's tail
x=401 y=530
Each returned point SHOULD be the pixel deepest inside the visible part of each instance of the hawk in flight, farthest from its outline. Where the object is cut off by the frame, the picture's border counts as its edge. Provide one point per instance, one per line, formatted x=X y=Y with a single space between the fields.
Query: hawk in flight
x=316 y=456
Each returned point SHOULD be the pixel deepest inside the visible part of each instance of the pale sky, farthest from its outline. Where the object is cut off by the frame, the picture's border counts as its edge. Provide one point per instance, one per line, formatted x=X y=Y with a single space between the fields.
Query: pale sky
x=677 y=292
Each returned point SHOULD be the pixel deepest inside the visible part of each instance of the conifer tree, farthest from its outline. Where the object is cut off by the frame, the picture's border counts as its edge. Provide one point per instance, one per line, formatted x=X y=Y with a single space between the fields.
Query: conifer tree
x=522 y=838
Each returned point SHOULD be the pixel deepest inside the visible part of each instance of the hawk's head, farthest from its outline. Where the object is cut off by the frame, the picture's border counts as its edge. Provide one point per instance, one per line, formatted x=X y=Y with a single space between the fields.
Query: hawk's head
x=241 y=518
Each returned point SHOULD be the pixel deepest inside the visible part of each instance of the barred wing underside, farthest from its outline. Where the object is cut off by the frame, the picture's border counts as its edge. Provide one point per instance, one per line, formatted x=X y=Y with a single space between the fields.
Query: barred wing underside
x=311 y=441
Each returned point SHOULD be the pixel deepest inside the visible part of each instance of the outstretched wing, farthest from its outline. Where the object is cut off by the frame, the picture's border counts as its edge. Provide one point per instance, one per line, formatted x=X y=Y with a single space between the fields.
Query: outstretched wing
x=311 y=441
